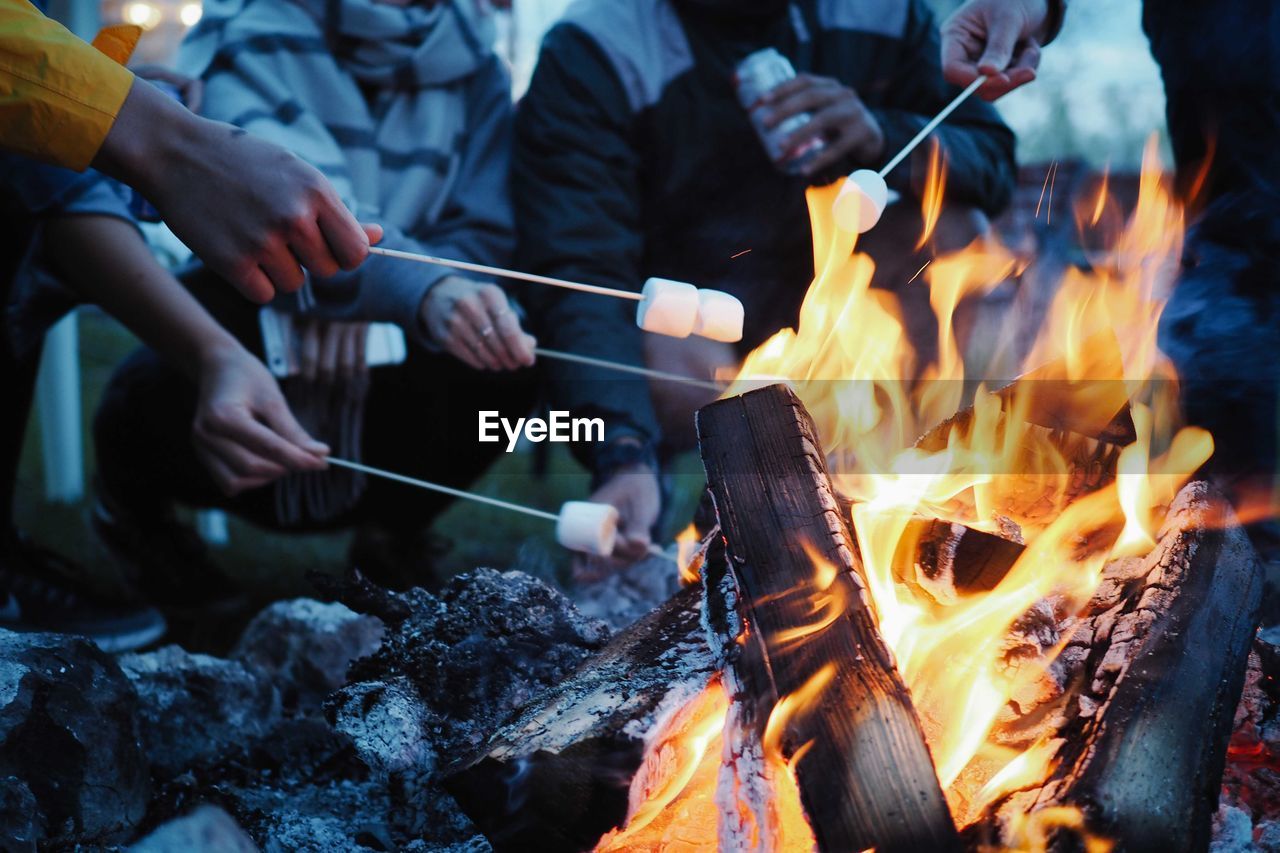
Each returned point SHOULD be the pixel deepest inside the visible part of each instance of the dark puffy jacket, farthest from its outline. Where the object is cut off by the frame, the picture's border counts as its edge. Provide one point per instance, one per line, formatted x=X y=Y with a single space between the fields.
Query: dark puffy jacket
x=634 y=159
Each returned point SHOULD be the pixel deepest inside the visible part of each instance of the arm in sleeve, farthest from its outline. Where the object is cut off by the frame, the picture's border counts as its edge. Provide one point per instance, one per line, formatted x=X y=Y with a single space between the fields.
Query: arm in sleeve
x=476 y=223
x=978 y=146
x=576 y=184
x=59 y=96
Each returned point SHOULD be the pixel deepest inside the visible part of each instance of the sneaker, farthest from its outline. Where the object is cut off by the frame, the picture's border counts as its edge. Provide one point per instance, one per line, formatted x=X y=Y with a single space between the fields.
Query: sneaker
x=166 y=560
x=35 y=596
x=398 y=560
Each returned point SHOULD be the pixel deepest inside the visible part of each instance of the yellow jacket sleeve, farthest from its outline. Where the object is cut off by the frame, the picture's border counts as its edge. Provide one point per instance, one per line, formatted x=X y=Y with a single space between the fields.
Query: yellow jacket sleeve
x=58 y=95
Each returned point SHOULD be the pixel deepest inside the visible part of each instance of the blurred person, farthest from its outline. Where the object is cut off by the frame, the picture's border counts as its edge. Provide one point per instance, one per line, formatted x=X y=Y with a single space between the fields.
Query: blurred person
x=80 y=228
x=254 y=212
x=407 y=111
x=1222 y=92
x=634 y=159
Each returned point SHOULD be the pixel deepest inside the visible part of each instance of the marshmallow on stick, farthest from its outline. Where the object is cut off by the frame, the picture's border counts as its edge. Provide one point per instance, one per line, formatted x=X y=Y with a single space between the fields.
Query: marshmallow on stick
x=590 y=528
x=580 y=526
x=861 y=201
x=720 y=316
x=864 y=194
x=666 y=307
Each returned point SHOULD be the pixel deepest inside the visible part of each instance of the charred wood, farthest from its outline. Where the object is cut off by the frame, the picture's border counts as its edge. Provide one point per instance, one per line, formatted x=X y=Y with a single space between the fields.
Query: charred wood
x=868 y=779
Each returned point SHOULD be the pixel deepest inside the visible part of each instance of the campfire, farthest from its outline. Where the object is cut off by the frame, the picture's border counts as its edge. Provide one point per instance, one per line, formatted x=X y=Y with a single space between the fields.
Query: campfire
x=928 y=612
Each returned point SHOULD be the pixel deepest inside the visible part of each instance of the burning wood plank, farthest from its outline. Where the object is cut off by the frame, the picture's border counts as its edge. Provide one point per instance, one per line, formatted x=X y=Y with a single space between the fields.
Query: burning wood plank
x=1047 y=397
x=560 y=774
x=1139 y=706
x=864 y=772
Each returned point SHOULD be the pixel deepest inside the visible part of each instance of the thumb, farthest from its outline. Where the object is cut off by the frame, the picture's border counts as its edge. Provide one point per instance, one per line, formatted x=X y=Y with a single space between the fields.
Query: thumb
x=1002 y=38
x=281 y=420
x=373 y=232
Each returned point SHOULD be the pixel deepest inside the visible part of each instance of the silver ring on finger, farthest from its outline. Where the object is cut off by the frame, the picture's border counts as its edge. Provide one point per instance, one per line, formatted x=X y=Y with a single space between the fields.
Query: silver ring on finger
x=486 y=331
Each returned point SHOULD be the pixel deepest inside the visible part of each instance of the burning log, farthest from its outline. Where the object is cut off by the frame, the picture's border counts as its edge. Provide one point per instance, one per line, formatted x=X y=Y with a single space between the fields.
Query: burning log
x=868 y=780
x=952 y=560
x=559 y=775
x=1147 y=685
x=1049 y=398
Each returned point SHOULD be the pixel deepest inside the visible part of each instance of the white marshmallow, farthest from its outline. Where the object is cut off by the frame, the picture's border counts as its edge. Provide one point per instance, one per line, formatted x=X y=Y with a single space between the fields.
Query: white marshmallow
x=720 y=316
x=591 y=528
x=861 y=201
x=668 y=307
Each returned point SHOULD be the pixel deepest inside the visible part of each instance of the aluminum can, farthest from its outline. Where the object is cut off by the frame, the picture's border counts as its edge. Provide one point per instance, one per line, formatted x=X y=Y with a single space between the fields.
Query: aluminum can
x=758 y=75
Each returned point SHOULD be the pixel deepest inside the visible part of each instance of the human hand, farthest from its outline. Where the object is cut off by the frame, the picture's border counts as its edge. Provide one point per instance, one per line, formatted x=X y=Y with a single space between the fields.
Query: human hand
x=243 y=431
x=190 y=89
x=998 y=38
x=330 y=350
x=839 y=118
x=633 y=491
x=256 y=214
x=474 y=322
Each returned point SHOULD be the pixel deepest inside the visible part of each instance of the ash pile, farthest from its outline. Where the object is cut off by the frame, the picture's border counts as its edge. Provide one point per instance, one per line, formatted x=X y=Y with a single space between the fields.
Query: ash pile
x=325 y=728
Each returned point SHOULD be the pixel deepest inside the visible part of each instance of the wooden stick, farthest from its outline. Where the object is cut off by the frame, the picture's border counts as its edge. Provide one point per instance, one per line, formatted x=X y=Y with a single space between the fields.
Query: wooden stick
x=627 y=368
x=932 y=125
x=506 y=273
x=445 y=490
x=654 y=549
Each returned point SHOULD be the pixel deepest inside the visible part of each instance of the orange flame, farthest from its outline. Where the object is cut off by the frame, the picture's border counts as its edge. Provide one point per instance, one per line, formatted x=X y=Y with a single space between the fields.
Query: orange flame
x=1012 y=462
x=689 y=555
x=935 y=187
x=1010 y=459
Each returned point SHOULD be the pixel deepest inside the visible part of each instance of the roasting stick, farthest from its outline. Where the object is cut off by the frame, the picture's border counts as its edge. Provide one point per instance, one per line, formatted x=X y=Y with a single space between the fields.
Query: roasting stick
x=666 y=307
x=627 y=368
x=484 y=269
x=932 y=125
x=444 y=490
x=864 y=194
x=580 y=525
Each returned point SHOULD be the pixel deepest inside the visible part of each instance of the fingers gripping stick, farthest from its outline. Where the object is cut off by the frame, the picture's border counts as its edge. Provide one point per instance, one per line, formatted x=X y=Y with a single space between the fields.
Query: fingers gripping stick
x=581 y=526
x=864 y=195
x=666 y=307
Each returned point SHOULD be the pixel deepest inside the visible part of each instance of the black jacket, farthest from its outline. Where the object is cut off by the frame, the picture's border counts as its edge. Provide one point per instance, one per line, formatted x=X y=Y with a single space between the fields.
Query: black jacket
x=634 y=159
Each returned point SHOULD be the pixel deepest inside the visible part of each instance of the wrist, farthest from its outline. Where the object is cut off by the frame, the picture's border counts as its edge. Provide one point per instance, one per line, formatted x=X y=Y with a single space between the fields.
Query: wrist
x=152 y=135
x=625 y=454
x=215 y=351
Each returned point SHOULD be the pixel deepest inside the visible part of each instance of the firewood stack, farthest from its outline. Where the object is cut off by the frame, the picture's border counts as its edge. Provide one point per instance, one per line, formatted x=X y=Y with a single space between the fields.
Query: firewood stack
x=1136 y=709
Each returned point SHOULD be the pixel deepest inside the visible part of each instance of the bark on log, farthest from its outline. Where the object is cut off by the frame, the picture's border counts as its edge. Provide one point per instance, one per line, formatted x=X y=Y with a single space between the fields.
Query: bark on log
x=558 y=775
x=1147 y=685
x=868 y=779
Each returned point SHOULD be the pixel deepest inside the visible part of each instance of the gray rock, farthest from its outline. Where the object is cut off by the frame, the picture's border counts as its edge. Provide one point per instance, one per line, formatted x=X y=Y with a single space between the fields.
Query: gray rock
x=69 y=737
x=483 y=646
x=1232 y=831
x=208 y=829
x=451 y=667
x=195 y=709
x=305 y=647
x=388 y=724
x=19 y=817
